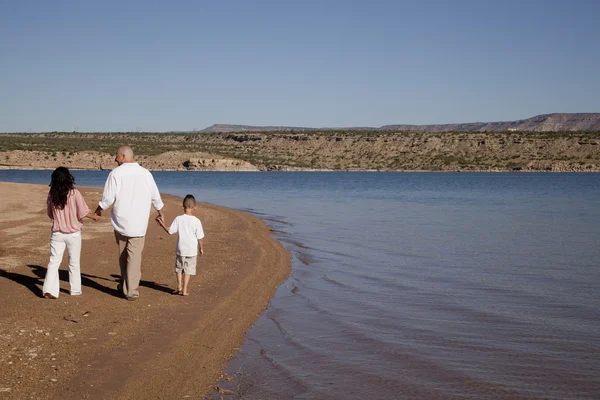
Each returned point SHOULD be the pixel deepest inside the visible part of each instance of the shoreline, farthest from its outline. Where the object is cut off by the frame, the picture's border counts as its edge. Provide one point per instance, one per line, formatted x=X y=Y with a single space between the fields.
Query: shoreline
x=17 y=168
x=101 y=346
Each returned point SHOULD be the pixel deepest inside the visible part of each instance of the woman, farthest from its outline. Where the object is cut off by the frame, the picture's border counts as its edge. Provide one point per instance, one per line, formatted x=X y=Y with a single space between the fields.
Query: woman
x=67 y=208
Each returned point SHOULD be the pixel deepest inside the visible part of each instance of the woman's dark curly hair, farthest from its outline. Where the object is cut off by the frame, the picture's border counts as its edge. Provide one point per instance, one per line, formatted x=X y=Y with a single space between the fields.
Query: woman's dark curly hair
x=60 y=186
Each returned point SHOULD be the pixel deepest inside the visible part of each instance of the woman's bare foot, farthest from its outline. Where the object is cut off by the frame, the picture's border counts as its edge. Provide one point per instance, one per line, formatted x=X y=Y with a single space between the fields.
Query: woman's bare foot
x=185 y=294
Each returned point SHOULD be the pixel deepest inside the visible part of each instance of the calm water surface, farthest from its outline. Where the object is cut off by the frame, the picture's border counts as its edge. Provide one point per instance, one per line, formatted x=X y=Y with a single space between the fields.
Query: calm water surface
x=417 y=285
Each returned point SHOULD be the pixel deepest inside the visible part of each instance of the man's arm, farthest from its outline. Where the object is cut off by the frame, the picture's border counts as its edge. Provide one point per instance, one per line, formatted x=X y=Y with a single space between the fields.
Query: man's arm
x=155 y=197
x=160 y=218
x=108 y=196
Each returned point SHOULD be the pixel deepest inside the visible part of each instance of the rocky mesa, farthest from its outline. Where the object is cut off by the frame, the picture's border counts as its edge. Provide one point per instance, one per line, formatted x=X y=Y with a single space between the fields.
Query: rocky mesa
x=557 y=122
x=555 y=142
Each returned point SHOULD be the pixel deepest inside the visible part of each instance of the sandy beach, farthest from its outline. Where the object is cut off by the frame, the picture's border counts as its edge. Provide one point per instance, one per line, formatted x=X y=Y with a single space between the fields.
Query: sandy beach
x=100 y=346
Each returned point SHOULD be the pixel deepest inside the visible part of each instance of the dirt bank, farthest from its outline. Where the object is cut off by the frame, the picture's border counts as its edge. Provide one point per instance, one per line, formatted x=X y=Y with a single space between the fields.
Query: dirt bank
x=100 y=346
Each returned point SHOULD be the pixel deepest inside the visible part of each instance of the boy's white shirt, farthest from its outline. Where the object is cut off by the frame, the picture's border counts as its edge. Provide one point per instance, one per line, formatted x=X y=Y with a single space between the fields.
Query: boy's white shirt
x=190 y=231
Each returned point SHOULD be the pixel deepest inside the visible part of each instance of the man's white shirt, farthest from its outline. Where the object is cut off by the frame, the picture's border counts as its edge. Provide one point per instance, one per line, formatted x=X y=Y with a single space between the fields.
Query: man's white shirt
x=190 y=231
x=131 y=190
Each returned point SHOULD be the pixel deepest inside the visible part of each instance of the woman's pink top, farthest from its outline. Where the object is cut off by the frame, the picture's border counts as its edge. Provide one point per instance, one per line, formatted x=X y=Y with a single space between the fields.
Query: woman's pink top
x=68 y=220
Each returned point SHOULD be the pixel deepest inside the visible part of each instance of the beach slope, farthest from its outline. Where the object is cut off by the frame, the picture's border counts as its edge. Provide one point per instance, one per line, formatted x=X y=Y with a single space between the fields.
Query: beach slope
x=100 y=346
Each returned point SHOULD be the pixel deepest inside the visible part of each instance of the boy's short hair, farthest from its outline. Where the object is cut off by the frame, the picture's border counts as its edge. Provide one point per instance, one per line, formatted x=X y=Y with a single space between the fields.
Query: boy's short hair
x=189 y=202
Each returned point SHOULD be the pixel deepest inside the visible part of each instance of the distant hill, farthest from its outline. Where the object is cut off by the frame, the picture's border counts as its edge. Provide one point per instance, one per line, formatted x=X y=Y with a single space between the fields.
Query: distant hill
x=557 y=122
x=225 y=128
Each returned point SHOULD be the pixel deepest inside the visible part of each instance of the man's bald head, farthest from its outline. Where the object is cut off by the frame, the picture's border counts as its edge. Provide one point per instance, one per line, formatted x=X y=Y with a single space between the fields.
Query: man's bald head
x=124 y=155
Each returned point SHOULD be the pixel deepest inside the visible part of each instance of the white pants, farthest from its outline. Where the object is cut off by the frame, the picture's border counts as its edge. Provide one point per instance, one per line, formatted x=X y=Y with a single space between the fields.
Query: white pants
x=58 y=242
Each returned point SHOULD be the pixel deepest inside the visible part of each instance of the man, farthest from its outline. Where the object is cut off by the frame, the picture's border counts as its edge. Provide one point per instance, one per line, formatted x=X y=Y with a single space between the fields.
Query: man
x=130 y=189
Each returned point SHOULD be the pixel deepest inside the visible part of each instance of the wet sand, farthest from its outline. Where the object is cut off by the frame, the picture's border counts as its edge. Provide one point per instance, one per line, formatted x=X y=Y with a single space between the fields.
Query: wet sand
x=100 y=346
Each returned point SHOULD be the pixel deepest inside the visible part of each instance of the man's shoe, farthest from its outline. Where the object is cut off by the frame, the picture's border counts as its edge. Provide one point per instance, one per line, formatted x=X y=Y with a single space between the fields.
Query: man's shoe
x=49 y=296
x=132 y=298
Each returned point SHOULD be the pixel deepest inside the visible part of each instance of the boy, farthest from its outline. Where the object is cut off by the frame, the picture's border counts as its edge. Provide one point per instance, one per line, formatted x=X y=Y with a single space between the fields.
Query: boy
x=189 y=239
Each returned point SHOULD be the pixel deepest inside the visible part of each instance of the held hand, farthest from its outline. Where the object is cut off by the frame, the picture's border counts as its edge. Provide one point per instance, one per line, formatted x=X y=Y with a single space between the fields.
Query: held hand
x=98 y=211
x=96 y=217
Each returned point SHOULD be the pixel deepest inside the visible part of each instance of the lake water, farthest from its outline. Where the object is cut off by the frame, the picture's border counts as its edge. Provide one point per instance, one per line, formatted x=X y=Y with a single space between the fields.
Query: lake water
x=417 y=285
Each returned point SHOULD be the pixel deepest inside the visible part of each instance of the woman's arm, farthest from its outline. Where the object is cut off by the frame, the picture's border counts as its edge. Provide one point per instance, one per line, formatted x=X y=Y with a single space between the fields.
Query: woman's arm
x=49 y=207
x=93 y=216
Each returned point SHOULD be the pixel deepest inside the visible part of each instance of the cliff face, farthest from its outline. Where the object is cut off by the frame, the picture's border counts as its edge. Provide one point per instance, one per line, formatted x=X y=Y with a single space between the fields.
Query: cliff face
x=332 y=150
x=559 y=122
x=417 y=150
x=171 y=160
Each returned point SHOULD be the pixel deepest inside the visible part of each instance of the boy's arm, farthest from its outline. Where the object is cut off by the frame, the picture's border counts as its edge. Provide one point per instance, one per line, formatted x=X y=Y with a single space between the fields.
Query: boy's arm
x=200 y=236
x=160 y=222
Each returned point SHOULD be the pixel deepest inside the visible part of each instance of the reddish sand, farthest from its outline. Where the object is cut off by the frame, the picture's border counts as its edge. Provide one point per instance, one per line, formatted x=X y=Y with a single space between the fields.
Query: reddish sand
x=100 y=346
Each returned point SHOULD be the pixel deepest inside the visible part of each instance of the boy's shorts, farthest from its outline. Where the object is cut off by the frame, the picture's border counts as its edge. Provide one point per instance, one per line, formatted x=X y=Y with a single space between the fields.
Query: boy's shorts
x=184 y=264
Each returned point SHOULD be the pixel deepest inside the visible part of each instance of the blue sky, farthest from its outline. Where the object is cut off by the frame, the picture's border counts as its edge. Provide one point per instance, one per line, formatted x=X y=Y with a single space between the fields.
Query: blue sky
x=184 y=65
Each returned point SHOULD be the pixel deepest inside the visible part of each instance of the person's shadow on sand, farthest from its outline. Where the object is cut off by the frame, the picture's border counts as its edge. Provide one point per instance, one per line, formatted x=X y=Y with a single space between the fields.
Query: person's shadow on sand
x=35 y=283
x=148 y=284
x=117 y=279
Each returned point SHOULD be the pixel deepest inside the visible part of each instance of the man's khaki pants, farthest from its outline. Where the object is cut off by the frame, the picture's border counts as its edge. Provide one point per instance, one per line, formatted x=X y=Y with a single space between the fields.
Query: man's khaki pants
x=130 y=261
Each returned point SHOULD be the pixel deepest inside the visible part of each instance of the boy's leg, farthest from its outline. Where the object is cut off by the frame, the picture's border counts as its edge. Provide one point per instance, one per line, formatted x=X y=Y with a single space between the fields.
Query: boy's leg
x=186 y=280
x=51 y=280
x=179 y=280
x=189 y=269
x=179 y=262
x=73 y=242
